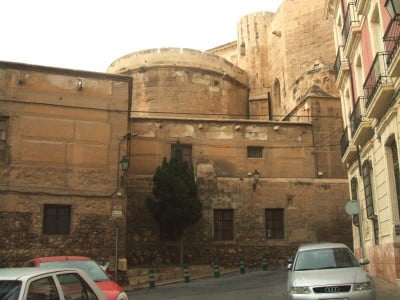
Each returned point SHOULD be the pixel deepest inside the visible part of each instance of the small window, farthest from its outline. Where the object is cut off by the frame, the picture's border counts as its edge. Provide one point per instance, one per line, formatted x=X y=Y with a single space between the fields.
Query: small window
x=254 y=152
x=57 y=219
x=223 y=224
x=3 y=139
x=186 y=152
x=274 y=223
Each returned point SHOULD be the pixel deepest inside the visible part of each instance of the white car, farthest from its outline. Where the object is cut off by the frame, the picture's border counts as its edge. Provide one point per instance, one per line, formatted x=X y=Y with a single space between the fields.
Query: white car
x=328 y=271
x=47 y=284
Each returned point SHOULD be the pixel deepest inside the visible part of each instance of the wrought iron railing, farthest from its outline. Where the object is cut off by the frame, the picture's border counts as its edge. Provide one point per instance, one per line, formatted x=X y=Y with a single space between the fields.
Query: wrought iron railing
x=338 y=61
x=376 y=76
x=350 y=17
x=344 y=141
x=391 y=39
x=357 y=114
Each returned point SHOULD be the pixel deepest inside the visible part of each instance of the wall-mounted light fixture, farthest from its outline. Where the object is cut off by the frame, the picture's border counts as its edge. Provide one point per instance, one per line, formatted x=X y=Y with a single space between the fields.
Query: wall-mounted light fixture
x=79 y=85
x=256 y=178
x=124 y=163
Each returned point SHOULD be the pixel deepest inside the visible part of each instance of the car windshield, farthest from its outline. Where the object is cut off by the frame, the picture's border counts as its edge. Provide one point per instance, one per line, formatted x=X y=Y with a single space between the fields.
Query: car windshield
x=9 y=289
x=331 y=258
x=92 y=268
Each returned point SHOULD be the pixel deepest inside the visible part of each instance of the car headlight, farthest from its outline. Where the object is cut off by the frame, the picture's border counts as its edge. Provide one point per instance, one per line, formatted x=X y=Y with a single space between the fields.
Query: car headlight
x=300 y=290
x=122 y=296
x=363 y=286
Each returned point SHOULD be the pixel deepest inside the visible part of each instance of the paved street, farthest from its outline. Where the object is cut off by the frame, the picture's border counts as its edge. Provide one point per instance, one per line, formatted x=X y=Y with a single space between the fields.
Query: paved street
x=253 y=285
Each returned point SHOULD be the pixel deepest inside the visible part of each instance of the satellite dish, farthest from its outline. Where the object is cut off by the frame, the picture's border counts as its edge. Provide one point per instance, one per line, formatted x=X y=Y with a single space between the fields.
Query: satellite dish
x=352 y=207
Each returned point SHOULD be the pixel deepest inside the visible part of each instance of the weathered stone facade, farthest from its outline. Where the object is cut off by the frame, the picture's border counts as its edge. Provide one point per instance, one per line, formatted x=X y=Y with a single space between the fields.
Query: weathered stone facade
x=272 y=89
x=277 y=93
x=64 y=140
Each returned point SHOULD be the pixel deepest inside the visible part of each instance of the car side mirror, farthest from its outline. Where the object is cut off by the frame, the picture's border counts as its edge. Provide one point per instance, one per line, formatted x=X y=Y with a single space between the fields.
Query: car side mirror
x=364 y=261
x=289 y=267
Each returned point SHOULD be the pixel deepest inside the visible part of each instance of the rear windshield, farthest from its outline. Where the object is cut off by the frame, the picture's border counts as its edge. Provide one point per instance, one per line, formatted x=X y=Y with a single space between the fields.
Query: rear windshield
x=9 y=289
x=317 y=259
x=90 y=267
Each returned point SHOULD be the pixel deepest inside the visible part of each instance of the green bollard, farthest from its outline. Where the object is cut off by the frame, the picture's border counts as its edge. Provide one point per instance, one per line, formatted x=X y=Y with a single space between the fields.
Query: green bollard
x=186 y=273
x=242 y=268
x=152 y=278
x=216 y=269
x=264 y=263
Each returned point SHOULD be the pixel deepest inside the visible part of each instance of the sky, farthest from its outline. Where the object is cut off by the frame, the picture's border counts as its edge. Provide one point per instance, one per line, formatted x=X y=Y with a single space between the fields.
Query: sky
x=91 y=34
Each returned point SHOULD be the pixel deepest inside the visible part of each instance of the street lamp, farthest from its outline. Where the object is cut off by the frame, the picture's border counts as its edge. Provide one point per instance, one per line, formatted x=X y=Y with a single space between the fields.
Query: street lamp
x=124 y=163
x=256 y=178
x=393 y=7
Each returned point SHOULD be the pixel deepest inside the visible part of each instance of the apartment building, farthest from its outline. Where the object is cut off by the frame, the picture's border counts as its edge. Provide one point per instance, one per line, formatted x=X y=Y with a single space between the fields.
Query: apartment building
x=367 y=67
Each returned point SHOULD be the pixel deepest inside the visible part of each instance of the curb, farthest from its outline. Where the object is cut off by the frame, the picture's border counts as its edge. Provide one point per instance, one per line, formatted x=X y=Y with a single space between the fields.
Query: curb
x=131 y=288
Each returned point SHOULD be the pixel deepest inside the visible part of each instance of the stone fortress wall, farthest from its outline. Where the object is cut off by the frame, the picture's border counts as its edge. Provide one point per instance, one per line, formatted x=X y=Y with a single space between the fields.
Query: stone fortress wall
x=186 y=83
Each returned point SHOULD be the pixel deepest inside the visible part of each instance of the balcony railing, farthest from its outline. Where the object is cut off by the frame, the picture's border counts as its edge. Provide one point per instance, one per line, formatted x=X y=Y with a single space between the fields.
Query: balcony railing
x=391 y=39
x=376 y=76
x=338 y=61
x=350 y=17
x=357 y=114
x=344 y=141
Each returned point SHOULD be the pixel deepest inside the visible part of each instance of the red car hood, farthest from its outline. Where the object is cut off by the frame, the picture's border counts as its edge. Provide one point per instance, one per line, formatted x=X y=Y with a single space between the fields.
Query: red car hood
x=110 y=289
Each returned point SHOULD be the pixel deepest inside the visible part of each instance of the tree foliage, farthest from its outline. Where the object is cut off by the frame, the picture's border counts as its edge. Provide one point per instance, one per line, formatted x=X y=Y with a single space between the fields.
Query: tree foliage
x=174 y=202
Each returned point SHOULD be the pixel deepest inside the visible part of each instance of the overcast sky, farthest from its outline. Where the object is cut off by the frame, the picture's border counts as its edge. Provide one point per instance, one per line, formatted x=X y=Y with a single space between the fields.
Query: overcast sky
x=90 y=34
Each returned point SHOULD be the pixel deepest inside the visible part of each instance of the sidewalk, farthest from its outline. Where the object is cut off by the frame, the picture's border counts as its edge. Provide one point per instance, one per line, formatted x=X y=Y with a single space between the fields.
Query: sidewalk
x=386 y=290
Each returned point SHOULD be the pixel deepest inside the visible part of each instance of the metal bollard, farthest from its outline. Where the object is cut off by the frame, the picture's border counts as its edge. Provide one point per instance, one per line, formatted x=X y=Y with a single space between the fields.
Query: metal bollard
x=186 y=273
x=152 y=278
x=242 y=268
x=216 y=269
x=264 y=263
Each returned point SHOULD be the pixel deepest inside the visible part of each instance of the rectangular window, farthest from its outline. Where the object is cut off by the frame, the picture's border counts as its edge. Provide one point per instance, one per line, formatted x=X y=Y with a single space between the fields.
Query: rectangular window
x=354 y=196
x=274 y=223
x=223 y=224
x=254 y=152
x=56 y=219
x=3 y=138
x=186 y=152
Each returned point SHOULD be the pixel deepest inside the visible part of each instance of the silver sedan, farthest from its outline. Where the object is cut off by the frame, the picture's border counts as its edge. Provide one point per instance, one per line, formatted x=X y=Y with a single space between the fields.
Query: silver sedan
x=328 y=271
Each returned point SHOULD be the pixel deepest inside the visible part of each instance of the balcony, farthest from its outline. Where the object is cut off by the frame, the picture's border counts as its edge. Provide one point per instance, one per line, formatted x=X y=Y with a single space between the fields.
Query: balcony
x=378 y=88
x=351 y=28
x=349 y=151
x=341 y=67
x=361 y=127
x=391 y=39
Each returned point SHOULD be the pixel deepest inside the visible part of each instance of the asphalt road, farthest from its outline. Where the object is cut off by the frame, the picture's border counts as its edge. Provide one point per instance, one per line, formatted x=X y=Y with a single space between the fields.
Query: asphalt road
x=253 y=285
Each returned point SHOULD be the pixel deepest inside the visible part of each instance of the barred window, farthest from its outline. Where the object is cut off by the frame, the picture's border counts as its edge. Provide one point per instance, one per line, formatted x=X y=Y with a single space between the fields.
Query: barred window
x=354 y=196
x=254 y=152
x=223 y=224
x=274 y=223
x=56 y=219
x=369 y=200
